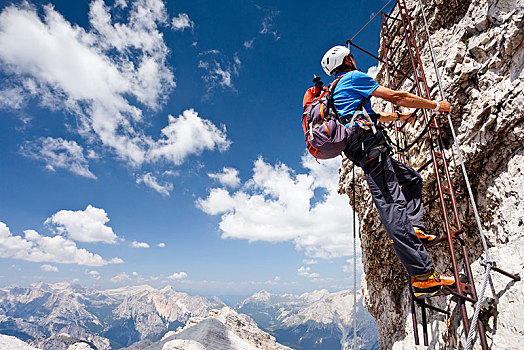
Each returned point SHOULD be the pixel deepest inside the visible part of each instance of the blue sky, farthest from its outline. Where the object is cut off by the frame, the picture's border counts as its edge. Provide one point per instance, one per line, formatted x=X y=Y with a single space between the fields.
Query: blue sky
x=160 y=142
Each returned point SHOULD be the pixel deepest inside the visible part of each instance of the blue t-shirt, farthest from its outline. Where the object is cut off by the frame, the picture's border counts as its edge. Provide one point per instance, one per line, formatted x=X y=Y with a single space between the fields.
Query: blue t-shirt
x=351 y=89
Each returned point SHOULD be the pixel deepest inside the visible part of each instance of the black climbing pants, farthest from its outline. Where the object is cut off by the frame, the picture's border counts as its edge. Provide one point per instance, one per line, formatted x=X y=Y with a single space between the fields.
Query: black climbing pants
x=397 y=194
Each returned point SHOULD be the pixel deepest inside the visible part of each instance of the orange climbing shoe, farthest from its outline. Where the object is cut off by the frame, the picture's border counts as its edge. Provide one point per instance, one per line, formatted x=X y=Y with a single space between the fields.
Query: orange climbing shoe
x=429 y=284
x=424 y=237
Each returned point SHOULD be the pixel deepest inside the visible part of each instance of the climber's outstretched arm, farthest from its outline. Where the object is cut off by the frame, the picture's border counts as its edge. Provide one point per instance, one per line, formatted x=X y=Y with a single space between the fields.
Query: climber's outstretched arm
x=389 y=117
x=406 y=99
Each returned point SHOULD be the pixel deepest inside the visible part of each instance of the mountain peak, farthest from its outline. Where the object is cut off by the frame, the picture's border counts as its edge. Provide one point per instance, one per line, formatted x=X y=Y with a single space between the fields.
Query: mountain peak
x=222 y=329
x=262 y=295
x=167 y=289
x=315 y=295
x=60 y=285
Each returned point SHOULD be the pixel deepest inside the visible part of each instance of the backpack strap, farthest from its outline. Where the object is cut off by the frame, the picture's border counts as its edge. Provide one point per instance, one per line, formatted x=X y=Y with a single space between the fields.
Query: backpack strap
x=333 y=85
x=361 y=107
x=331 y=101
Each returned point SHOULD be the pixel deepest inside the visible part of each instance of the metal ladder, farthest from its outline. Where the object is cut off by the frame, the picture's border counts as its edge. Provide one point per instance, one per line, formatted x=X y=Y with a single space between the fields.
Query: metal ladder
x=400 y=27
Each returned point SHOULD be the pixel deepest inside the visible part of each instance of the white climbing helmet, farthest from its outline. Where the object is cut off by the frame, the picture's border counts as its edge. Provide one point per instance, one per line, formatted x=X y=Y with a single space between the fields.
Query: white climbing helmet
x=334 y=58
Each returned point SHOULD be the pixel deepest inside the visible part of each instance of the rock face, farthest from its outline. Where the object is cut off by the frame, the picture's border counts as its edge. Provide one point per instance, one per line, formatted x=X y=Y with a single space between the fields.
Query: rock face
x=480 y=52
x=222 y=329
x=316 y=320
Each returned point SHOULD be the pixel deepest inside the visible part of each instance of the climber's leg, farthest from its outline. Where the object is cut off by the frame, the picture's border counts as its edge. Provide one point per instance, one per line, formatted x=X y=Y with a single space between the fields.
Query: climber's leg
x=411 y=184
x=393 y=209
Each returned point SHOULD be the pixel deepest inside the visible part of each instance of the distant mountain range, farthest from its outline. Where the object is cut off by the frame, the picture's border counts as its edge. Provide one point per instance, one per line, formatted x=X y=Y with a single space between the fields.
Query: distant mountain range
x=317 y=320
x=105 y=318
x=57 y=316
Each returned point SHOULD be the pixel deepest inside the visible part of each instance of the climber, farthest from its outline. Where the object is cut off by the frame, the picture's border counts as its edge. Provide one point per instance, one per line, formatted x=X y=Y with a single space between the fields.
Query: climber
x=396 y=188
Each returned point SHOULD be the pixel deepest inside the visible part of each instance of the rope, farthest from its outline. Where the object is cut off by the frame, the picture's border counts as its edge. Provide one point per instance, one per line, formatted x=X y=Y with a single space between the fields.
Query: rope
x=354 y=266
x=474 y=321
x=371 y=20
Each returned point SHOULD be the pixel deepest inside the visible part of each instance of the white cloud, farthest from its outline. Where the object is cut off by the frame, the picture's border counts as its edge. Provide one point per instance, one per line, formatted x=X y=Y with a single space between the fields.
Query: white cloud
x=93 y=274
x=161 y=245
x=37 y=248
x=372 y=71
x=102 y=76
x=349 y=268
x=268 y=27
x=136 y=244
x=121 y=277
x=188 y=134
x=306 y=272
x=171 y=173
x=92 y=154
x=278 y=205
x=87 y=225
x=178 y=276
x=249 y=43
x=49 y=268
x=219 y=70
x=228 y=177
x=268 y=23
x=150 y=78
x=12 y=98
x=59 y=153
x=121 y=3
x=182 y=22
x=310 y=261
x=151 y=181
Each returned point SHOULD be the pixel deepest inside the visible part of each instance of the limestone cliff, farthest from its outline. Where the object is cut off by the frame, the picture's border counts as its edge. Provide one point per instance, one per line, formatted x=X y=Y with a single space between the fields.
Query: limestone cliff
x=480 y=52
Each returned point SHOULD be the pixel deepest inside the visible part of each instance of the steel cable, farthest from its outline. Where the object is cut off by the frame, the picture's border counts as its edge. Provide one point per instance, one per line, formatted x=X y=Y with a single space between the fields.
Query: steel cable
x=371 y=20
x=472 y=329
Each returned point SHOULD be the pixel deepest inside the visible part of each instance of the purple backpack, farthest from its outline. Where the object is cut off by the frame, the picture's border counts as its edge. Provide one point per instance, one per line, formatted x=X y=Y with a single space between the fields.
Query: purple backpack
x=326 y=137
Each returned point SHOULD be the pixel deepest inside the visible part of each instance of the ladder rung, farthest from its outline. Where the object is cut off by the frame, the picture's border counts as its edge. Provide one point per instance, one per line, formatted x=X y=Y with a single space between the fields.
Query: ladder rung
x=432 y=199
x=425 y=165
x=436 y=241
x=446 y=190
x=439 y=155
x=431 y=307
x=448 y=290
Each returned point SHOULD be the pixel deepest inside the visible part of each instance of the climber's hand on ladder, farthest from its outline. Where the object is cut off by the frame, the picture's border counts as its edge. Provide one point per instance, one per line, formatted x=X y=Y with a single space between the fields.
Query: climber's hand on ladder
x=445 y=107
